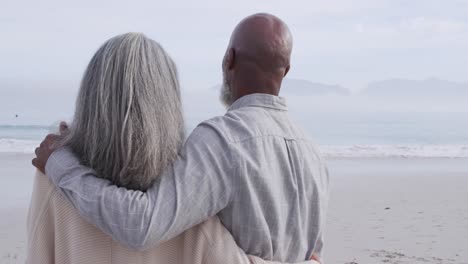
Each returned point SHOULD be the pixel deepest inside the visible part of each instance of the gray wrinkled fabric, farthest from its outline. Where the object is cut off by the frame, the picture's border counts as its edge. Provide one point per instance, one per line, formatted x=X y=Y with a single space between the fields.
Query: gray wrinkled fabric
x=253 y=167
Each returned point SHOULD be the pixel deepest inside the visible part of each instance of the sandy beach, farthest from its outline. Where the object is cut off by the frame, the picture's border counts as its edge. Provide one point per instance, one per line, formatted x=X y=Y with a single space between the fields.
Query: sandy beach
x=381 y=210
x=398 y=211
x=17 y=177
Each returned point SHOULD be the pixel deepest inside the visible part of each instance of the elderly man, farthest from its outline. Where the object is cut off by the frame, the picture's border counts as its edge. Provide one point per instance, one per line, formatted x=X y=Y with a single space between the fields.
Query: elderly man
x=253 y=167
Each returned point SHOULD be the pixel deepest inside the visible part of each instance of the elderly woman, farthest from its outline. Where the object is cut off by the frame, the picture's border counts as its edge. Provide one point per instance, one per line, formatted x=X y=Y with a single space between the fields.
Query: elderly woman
x=128 y=122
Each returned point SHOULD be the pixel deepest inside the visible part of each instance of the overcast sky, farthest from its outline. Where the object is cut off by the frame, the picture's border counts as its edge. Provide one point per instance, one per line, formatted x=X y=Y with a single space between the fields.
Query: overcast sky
x=346 y=42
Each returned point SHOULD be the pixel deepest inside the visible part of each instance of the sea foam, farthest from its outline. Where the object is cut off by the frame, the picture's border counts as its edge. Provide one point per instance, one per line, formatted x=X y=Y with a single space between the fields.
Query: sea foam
x=330 y=151
x=395 y=151
x=8 y=145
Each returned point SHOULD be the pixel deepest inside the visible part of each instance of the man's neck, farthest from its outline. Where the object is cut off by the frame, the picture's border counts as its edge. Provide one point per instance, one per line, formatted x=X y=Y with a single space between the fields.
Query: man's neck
x=257 y=88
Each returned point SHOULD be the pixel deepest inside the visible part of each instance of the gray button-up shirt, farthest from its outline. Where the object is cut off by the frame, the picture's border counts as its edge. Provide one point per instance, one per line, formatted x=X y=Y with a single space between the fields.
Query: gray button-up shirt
x=253 y=167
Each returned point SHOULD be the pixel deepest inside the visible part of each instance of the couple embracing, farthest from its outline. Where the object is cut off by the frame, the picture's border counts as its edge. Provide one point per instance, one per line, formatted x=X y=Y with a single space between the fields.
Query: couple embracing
x=120 y=185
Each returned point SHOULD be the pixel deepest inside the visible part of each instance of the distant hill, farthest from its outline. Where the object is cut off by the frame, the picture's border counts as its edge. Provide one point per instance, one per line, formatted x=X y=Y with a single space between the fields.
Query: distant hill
x=416 y=88
x=307 y=88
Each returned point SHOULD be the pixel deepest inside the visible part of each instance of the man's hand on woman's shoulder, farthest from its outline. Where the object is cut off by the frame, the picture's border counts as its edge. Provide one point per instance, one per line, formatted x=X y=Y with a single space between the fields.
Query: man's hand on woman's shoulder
x=47 y=147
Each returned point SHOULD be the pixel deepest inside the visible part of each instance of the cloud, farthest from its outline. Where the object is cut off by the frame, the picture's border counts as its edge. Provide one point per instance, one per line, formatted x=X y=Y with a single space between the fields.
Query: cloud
x=408 y=33
x=437 y=26
x=420 y=25
x=341 y=41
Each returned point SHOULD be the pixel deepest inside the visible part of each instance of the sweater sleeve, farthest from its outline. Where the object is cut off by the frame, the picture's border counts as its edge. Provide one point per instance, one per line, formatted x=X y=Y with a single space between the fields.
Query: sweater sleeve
x=40 y=223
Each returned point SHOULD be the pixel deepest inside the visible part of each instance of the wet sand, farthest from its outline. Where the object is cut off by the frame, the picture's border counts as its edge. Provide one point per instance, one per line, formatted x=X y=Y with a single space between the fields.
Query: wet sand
x=398 y=211
x=381 y=210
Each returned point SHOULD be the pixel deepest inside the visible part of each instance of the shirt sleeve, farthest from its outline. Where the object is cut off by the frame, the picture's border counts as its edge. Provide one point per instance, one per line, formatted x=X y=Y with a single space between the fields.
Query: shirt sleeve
x=196 y=186
x=319 y=246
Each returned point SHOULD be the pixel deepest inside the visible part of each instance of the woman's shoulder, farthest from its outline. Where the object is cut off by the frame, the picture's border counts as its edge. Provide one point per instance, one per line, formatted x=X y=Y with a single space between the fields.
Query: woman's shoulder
x=49 y=207
x=43 y=184
x=43 y=190
x=39 y=221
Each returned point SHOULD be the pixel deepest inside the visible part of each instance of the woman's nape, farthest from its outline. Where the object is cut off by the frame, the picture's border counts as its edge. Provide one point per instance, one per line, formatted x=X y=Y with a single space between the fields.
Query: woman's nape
x=128 y=123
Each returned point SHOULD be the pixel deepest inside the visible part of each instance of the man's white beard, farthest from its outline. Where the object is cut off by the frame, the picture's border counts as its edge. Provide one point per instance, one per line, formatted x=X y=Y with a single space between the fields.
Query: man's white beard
x=226 y=92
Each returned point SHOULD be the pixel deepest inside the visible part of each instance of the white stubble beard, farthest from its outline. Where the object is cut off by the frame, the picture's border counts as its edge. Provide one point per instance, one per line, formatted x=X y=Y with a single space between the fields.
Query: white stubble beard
x=226 y=96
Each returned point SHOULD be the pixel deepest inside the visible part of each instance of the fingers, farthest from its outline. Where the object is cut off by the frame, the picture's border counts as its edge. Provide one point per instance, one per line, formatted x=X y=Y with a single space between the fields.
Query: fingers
x=315 y=258
x=50 y=140
x=52 y=137
x=44 y=151
x=35 y=162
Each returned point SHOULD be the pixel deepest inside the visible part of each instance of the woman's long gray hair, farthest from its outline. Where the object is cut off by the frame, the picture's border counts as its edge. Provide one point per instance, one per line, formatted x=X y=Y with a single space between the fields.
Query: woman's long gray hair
x=128 y=124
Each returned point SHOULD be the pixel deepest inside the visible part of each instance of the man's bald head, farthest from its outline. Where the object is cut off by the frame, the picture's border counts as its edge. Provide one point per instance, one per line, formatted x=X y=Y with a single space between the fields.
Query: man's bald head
x=257 y=58
x=264 y=40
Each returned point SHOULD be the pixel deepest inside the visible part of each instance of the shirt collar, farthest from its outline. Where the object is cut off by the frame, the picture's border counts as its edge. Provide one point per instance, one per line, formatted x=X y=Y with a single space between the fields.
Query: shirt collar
x=260 y=100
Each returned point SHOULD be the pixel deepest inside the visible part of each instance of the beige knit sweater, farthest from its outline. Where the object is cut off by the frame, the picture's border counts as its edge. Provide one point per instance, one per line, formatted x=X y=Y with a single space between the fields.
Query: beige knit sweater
x=57 y=234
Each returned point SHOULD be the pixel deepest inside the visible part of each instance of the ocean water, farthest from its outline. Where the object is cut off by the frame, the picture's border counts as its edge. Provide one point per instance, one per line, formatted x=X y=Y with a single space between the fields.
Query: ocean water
x=425 y=135
x=406 y=135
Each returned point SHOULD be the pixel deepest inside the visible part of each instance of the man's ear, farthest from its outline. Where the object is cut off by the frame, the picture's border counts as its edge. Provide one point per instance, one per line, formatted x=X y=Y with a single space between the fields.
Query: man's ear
x=287 y=70
x=231 y=59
